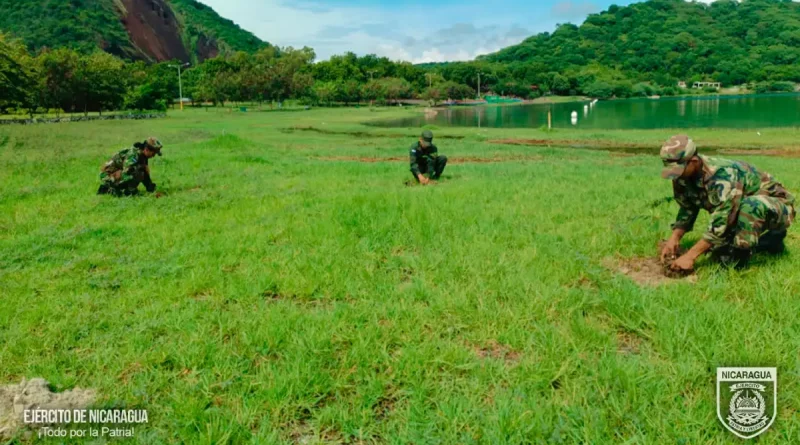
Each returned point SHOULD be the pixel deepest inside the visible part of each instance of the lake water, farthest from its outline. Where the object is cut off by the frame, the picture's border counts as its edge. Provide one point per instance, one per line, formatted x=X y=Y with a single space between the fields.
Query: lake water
x=751 y=111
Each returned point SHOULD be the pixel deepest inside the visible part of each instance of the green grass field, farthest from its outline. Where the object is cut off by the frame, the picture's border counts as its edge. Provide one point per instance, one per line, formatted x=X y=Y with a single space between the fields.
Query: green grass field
x=290 y=287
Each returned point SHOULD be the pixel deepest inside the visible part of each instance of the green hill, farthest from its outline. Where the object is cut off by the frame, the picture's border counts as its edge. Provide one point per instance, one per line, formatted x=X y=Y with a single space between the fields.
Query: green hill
x=134 y=29
x=728 y=41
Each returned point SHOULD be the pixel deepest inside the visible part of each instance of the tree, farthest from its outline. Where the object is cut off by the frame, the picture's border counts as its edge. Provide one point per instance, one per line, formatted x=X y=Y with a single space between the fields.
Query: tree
x=58 y=72
x=16 y=82
x=102 y=82
x=374 y=90
x=395 y=88
x=325 y=92
x=350 y=91
x=433 y=94
x=282 y=71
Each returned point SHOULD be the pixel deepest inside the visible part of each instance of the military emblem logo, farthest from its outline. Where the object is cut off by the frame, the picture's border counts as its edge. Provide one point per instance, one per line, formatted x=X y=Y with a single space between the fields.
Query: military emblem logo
x=747 y=399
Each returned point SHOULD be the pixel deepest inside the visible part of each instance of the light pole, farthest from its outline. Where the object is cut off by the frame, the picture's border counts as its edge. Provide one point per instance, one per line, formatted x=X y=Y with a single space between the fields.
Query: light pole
x=479 y=85
x=180 y=83
x=371 y=72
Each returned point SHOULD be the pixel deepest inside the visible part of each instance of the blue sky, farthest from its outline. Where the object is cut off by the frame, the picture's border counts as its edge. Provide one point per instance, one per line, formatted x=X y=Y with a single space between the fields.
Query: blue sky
x=412 y=30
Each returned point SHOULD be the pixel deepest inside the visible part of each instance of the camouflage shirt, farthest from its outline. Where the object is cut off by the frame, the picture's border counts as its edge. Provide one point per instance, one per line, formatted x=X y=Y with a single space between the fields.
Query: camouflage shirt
x=129 y=166
x=422 y=157
x=719 y=190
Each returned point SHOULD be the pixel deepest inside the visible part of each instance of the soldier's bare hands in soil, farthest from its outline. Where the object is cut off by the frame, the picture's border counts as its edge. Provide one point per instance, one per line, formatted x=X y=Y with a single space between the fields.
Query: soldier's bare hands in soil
x=684 y=264
x=670 y=249
x=423 y=180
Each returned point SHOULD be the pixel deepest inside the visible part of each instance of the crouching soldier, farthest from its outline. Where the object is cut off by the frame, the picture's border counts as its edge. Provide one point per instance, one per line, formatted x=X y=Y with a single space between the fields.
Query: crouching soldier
x=425 y=159
x=123 y=173
x=750 y=210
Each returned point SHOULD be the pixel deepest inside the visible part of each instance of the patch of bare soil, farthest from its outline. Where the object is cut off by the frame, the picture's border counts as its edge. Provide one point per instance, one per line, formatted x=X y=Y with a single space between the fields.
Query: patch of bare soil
x=650 y=271
x=628 y=343
x=35 y=394
x=496 y=350
x=304 y=434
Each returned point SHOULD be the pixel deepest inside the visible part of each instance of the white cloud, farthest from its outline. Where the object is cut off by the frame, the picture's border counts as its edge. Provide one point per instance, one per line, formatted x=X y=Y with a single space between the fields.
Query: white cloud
x=568 y=9
x=363 y=30
x=414 y=34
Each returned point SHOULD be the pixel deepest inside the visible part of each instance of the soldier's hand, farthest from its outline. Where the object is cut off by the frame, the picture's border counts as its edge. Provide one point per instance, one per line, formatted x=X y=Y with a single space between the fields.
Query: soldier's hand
x=684 y=263
x=670 y=249
x=423 y=180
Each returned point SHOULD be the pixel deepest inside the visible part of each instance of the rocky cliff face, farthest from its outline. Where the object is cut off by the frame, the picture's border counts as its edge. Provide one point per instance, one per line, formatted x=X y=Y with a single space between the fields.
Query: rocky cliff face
x=154 y=29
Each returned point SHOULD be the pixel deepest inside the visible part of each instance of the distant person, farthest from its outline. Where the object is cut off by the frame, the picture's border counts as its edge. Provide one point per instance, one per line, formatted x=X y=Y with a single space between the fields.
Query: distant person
x=123 y=173
x=425 y=159
x=750 y=210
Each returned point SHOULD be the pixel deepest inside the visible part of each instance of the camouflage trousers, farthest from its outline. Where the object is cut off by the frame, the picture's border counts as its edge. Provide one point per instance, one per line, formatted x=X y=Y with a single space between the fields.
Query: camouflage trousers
x=759 y=214
x=119 y=184
x=438 y=166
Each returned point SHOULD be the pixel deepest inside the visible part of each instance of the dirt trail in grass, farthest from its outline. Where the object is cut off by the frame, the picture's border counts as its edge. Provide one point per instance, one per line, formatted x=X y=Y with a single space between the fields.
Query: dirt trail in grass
x=776 y=152
x=34 y=394
x=450 y=160
x=634 y=148
x=591 y=144
x=361 y=134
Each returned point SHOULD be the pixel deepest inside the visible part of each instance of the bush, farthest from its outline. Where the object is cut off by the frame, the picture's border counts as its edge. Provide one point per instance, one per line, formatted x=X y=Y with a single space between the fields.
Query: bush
x=623 y=89
x=145 y=97
x=774 y=87
x=644 y=89
x=600 y=90
x=669 y=91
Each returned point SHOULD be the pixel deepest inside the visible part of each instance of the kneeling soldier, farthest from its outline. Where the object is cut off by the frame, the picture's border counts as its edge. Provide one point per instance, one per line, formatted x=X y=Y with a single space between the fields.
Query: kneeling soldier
x=425 y=158
x=123 y=173
x=750 y=210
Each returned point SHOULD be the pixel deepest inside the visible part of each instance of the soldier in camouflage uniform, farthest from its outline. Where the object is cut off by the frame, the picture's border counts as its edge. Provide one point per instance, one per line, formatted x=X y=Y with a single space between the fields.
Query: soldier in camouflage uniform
x=123 y=173
x=425 y=158
x=750 y=210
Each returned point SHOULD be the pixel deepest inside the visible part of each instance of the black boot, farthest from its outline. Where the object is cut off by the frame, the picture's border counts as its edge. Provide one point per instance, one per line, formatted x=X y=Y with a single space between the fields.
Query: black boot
x=730 y=256
x=104 y=189
x=772 y=242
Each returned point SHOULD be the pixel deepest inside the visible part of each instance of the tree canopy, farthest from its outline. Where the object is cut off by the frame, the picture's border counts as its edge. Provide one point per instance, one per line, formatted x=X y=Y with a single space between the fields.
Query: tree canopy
x=663 y=41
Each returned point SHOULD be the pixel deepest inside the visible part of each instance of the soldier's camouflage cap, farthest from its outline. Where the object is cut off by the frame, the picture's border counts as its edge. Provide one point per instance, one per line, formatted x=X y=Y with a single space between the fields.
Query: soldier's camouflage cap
x=675 y=154
x=427 y=138
x=154 y=144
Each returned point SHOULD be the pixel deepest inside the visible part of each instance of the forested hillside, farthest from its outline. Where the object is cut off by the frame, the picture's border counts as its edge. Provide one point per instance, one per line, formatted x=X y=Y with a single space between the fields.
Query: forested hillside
x=151 y=30
x=668 y=40
x=637 y=51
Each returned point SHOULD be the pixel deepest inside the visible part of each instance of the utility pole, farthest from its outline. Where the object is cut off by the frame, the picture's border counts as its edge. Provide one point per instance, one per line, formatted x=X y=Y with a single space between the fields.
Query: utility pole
x=180 y=83
x=479 y=85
